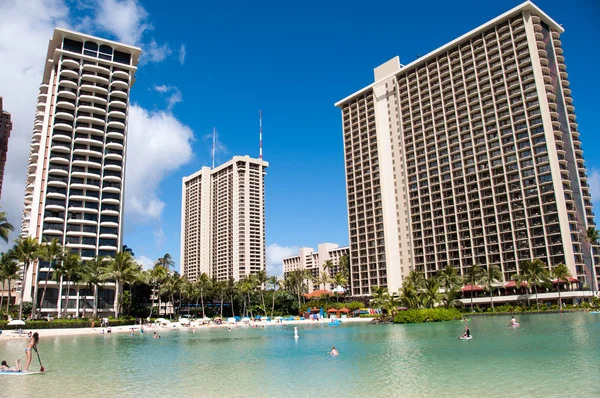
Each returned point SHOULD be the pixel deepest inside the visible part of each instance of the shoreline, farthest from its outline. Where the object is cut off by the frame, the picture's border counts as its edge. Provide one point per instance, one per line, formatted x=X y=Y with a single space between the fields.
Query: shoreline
x=9 y=335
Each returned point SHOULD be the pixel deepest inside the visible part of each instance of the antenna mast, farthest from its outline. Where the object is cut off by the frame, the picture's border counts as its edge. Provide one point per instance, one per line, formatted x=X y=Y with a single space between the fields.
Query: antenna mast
x=213 y=146
x=260 y=136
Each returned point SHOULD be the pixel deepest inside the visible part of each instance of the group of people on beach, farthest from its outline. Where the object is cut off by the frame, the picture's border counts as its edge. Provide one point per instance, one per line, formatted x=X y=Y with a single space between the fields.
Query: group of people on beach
x=32 y=343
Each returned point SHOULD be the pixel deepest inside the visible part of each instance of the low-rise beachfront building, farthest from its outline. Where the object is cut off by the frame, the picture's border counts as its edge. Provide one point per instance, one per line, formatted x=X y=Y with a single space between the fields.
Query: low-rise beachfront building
x=223 y=220
x=469 y=155
x=75 y=176
x=314 y=261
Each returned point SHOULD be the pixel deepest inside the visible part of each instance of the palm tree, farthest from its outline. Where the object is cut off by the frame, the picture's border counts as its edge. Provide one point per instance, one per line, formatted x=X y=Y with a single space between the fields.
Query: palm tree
x=492 y=275
x=328 y=267
x=344 y=267
x=128 y=249
x=449 y=278
x=155 y=277
x=219 y=289
x=473 y=277
x=415 y=279
x=324 y=279
x=204 y=282
x=25 y=251
x=560 y=272
x=5 y=227
x=532 y=273
x=592 y=236
x=51 y=252
x=276 y=284
x=119 y=269
x=431 y=293
x=231 y=289
x=379 y=294
x=391 y=304
x=9 y=271
x=339 y=280
x=66 y=272
x=166 y=262
x=410 y=296
x=92 y=276
x=261 y=278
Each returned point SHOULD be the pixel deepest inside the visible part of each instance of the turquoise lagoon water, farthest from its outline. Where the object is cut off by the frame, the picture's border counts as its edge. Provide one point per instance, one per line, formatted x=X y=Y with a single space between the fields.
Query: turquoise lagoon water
x=548 y=355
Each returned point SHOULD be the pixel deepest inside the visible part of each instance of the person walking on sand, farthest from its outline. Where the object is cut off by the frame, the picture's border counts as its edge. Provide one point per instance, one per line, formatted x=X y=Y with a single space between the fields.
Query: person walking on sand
x=32 y=345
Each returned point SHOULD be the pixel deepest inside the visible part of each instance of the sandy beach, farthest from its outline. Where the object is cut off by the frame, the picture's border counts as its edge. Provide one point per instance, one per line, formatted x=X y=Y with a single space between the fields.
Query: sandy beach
x=13 y=334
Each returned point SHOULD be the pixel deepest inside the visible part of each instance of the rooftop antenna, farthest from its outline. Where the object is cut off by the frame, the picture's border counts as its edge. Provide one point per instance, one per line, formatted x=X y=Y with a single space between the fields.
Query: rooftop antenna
x=260 y=135
x=213 y=146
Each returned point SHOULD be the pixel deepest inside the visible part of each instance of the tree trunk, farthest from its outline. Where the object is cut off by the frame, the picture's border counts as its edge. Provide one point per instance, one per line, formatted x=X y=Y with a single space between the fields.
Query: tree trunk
x=159 y=304
x=232 y=310
x=34 y=281
x=492 y=296
x=273 y=307
x=527 y=292
x=537 y=303
x=221 y=306
x=471 y=298
x=262 y=295
x=8 y=301
x=202 y=299
x=95 y=313
x=66 y=306
x=244 y=310
x=45 y=287
x=23 y=285
x=117 y=299
x=250 y=305
x=2 y=297
x=559 y=298
x=84 y=303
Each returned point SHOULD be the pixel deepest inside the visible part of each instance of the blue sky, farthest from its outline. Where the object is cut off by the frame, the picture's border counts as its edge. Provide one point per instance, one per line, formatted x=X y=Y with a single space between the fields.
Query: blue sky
x=211 y=64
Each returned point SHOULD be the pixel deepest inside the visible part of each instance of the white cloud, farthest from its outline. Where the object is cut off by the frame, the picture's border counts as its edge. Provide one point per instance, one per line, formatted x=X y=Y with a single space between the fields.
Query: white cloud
x=275 y=255
x=157 y=145
x=125 y=19
x=182 y=54
x=25 y=30
x=145 y=262
x=594 y=181
x=159 y=236
x=153 y=52
x=172 y=99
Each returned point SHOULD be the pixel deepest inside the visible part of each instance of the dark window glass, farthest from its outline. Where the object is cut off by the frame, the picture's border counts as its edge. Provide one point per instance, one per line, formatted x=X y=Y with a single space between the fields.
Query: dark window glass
x=90 y=45
x=72 y=45
x=122 y=58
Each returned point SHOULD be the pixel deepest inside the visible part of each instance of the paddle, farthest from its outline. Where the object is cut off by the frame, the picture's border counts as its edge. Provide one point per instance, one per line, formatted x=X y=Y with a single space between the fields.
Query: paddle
x=39 y=360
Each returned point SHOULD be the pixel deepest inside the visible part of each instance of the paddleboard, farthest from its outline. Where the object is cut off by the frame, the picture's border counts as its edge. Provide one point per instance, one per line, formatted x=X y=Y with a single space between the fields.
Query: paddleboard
x=514 y=325
x=594 y=312
x=18 y=373
x=466 y=338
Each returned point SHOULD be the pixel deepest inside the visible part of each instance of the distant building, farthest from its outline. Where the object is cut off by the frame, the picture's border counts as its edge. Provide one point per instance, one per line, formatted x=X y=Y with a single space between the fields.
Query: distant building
x=5 y=129
x=313 y=261
x=469 y=155
x=223 y=220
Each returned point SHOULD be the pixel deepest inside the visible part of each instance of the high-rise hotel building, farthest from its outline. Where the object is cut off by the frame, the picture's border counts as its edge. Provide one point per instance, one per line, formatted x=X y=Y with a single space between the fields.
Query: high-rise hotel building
x=468 y=155
x=223 y=220
x=5 y=129
x=76 y=170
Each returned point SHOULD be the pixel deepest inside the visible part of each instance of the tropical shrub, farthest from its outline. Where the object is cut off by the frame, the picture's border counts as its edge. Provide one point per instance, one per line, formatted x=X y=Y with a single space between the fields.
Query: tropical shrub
x=427 y=315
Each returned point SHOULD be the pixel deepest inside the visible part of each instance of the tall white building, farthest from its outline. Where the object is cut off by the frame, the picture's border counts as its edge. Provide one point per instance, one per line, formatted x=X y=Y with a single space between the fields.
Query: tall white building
x=223 y=220
x=75 y=176
x=468 y=155
x=314 y=261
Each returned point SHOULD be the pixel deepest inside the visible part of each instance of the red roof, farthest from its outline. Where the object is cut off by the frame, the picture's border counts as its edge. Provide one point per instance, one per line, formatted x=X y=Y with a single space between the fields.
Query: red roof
x=346 y=310
x=570 y=278
x=318 y=293
x=332 y=310
x=468 y=288
x=514 y=284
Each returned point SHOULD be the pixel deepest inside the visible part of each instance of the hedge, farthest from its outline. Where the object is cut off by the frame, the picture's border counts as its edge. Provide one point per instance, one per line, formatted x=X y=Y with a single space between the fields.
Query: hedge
x=62 y=324
x=427 y=315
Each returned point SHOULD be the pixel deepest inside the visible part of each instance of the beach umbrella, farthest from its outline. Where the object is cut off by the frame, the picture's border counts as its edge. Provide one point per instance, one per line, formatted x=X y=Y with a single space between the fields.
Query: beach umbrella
x=246 y=319
x=184 y=321
x=16 y=322
x=278 y=317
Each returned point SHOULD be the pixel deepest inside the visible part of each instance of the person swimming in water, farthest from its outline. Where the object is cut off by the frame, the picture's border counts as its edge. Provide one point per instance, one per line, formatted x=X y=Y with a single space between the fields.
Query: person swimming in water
x=5 y=368
x=333 y=351
x=513 y=321
x=33 y=342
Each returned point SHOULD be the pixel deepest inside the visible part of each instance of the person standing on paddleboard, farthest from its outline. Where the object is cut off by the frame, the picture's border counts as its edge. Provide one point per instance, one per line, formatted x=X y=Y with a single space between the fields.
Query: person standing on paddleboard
x=32 y=345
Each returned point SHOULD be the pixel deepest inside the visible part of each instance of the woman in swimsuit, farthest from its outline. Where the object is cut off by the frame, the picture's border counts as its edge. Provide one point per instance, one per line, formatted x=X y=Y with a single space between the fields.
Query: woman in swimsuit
x=33 y=342
x=5 y=368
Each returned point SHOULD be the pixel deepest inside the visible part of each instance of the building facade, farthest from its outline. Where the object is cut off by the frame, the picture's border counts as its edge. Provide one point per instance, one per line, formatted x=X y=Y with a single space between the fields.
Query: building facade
x=314 y=261
x=468 y=155
x=223 y=220
x=75 y=176
x=5 y=129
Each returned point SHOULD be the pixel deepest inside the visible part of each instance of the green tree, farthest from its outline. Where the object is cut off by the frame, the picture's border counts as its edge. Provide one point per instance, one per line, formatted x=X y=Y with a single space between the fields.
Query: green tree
x=51 y=252
x=380 y=295
x=473 y=277
x=232 y=290
x=532 y=274
x=276 y=285
x=592 y=235
x=5 y=227
x=561 y=273
x=203 y=283
x=155 y=277
x=92 y=275
x=344 y=267
x=449 y=278
x=431 y=293
x=66 y=272
x=261 y=278
x=166 y=262
x=328 y=267
x=120 y=270
x=493 y=274
x=10 y=270
x=25 y=251
x=339 y=280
